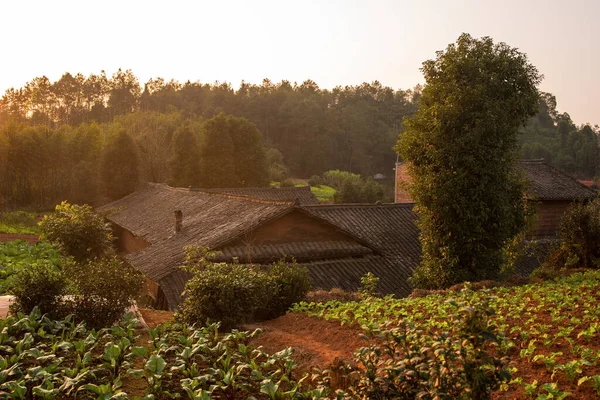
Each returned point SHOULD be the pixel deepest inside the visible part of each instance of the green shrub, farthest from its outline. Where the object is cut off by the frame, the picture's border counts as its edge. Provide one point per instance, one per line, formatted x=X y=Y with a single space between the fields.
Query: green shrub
x=287 y=183
x=336 y=178
x=19 y=254
x=78 y=231
x=408 y=362
x=40 y=285
x=315 y=180
x=291 y=284
x=237 y=293
x=229 y=293
x=103 y=289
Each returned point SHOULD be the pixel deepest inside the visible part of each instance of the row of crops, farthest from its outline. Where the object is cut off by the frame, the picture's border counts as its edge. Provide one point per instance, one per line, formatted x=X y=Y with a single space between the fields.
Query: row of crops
x=550 y=332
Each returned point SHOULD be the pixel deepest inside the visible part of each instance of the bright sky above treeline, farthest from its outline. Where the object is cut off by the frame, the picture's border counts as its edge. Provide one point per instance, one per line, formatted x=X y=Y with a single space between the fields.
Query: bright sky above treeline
x=333 y=42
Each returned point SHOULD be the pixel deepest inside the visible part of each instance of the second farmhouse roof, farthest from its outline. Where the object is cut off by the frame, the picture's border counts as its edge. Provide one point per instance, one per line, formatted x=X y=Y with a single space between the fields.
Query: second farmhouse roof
x=545 y=182
x=303 y=195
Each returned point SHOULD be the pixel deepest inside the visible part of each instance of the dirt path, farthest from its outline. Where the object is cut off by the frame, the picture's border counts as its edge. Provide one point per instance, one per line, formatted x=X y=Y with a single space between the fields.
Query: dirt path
x=316 y=342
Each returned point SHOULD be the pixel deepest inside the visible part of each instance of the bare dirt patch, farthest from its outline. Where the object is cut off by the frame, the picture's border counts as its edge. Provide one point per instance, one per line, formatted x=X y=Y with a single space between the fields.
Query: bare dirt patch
x=155 y=317
x=316 y=342
x=9 y=237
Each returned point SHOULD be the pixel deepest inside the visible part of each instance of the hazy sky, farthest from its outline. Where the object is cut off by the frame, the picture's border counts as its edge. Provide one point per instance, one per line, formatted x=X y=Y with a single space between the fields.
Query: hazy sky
x=331 y=42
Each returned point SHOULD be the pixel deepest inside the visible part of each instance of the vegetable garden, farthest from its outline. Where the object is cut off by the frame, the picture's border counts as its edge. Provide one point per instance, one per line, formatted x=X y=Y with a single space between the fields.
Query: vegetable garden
x=550 y=332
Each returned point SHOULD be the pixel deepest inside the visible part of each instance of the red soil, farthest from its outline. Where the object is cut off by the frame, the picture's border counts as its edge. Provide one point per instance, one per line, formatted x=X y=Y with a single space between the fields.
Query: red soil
x=316 y=342
x=9 y=237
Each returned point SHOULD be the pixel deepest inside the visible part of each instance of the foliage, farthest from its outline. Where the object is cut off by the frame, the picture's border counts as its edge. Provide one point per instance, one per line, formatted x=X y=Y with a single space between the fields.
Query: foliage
x=19 y=222
x=120 y=166
x=531 y=323
x=323 y=193
x=104 y=289
x=203 y=364
x=276 y=168
x=53 y=147
x=474 y=89
x=38 y=285
x=554 y=137
x=78 y=231
x=19 y=255
x=236 y=293
x=232 y=153
x=185 y=156
x=579 y=234
x=368 y=285
x=45 y=359
x=287 y=183
x=410 y=363
x=291 y=284
x=348 y=187
x=336 y=178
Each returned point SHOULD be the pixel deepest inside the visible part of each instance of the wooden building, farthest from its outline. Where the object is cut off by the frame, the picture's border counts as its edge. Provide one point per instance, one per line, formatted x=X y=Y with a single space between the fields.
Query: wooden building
x=548 y=189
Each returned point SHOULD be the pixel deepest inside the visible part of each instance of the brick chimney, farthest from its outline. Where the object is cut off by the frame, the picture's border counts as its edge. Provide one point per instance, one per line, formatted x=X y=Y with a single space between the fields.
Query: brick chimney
x=178 y=220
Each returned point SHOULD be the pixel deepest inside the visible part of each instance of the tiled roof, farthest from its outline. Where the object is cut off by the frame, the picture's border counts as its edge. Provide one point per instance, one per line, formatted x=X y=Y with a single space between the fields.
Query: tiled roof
x=300 y=251
x=547 y=183
x=208 y=220
x=303 y=194
x=390 y=228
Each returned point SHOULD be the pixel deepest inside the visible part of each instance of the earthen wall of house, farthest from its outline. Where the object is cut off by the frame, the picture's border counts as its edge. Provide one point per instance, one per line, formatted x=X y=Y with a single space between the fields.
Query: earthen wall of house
x=548 y=216
x=402 y=178
x=126 y=241
x=293 y=227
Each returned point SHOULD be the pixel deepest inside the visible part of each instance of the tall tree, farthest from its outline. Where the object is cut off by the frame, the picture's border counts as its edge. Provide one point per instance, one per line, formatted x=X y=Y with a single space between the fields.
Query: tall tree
x=217 y=153
x=120 y=166
x=185 y=156
x=461 y=149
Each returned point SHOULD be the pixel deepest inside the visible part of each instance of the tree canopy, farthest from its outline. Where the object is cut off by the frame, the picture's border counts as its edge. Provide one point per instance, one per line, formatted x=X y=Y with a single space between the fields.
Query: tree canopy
x=461 y=147
x=53 y=135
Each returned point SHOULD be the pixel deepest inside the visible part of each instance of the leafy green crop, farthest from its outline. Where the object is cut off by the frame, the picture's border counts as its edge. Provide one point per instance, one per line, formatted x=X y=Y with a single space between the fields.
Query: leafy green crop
x=536 y=320
x=50 y=359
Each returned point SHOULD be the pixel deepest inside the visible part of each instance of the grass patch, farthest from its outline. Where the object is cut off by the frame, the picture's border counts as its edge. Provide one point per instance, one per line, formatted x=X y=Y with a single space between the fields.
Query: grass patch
x=323 y=193
x=21 y=222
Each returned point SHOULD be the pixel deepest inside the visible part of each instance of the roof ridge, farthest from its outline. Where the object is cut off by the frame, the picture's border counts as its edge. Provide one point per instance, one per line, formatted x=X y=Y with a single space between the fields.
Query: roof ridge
x=251 y=199
x=359 y=205
x=533 y=161
x=226 y=195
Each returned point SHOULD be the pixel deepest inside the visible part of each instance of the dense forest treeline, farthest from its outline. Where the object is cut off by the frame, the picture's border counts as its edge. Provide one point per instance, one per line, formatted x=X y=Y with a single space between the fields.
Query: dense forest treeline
x=86 y=138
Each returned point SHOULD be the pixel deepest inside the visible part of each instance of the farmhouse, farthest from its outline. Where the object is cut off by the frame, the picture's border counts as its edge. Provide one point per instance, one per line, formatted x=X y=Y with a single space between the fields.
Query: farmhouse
x=548 y=189
x=337 y=243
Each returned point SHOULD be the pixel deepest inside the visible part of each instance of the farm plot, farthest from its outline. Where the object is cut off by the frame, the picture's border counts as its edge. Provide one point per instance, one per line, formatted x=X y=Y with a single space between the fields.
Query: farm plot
x=550 y=332
x=20 y=254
